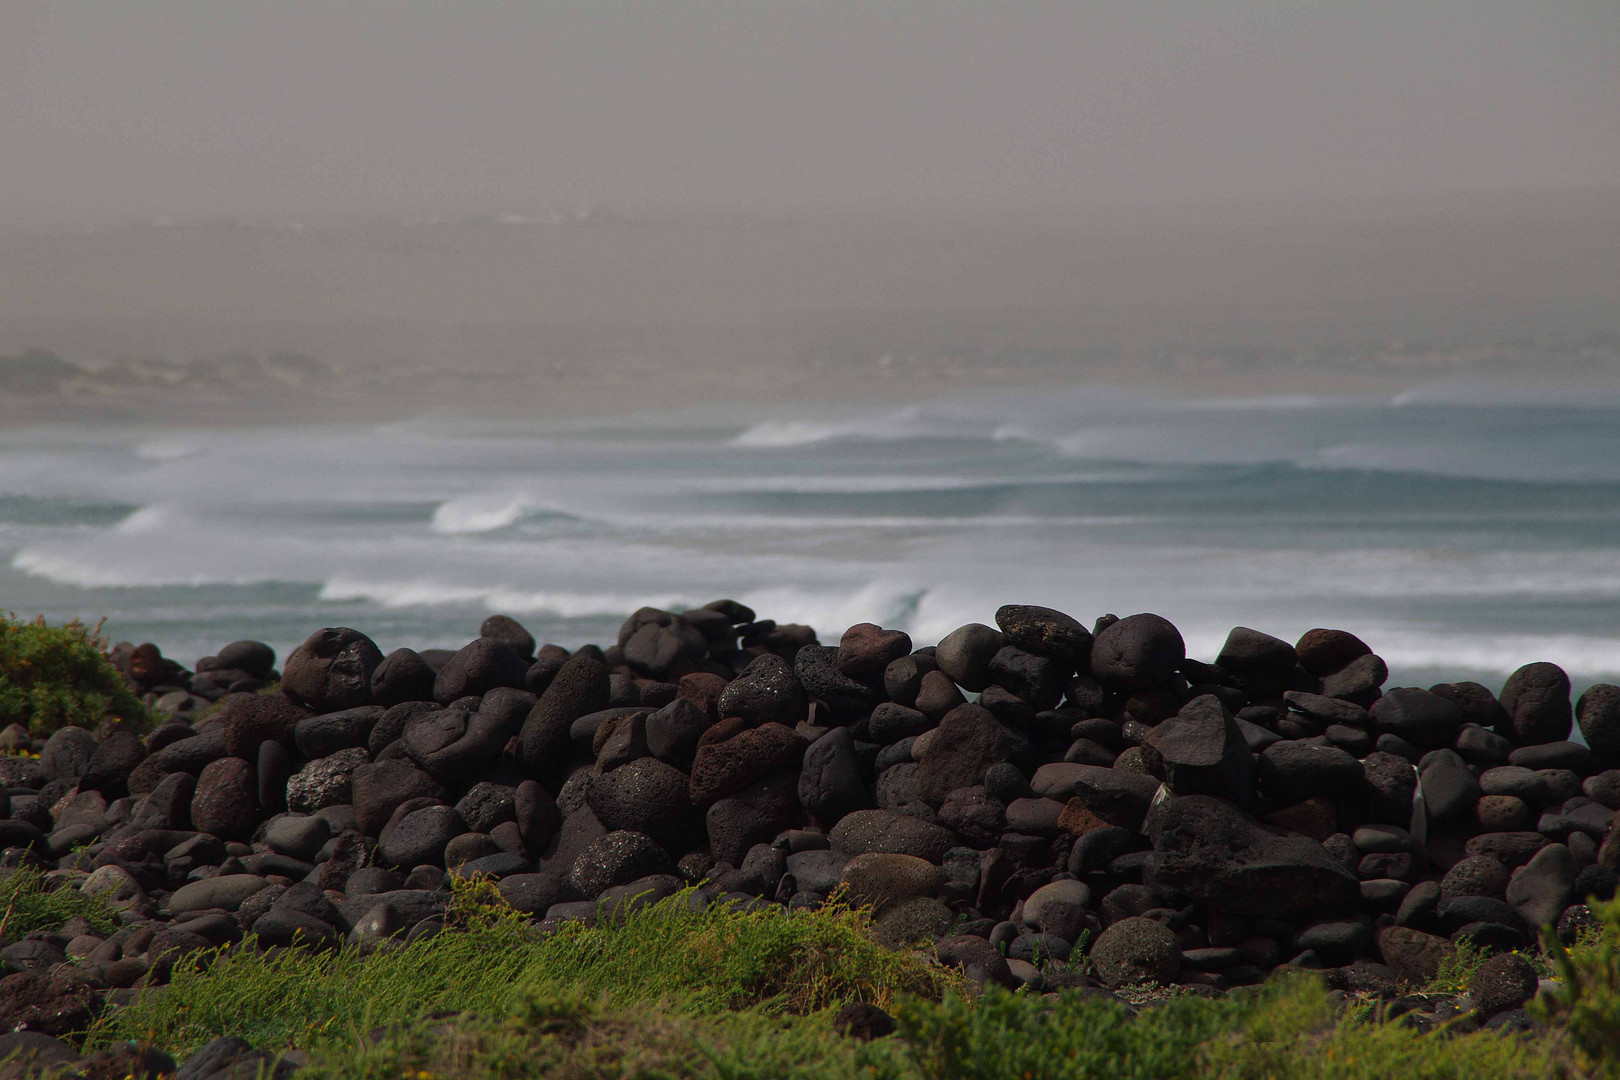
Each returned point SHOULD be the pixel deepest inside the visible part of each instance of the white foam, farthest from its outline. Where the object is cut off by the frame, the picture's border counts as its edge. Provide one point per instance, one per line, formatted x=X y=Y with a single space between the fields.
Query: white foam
x=1502 y=653
x=853 y=484
x=1474 y=392
x=479 y=514
x=831 y=610
x=140 y=571
x=901 y=424
x=781 y=433
x=146 y=520
x=397 y=594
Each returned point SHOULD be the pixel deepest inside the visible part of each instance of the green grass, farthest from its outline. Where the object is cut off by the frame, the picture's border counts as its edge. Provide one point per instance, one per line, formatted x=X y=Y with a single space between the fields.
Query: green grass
x=568 y=1036
x=27 y=904
x=56 y=676
x=673 y=993
x=1464 y=960
x=774 y=963
x=1588 y=1008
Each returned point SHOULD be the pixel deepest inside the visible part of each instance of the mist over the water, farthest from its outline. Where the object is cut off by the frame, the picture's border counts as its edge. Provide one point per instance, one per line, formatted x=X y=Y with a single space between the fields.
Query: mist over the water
x=395 y=315
x=1460 y=535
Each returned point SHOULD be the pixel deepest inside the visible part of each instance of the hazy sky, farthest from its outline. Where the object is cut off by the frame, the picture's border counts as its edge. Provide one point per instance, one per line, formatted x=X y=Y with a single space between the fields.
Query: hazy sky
x=166 y=107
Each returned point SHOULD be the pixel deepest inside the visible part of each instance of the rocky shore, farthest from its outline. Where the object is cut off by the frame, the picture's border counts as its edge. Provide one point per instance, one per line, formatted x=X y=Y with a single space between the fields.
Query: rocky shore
x=1022 y=796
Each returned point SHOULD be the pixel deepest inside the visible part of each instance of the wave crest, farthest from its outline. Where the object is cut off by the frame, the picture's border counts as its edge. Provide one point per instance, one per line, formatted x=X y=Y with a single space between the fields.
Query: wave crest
x=479 y=514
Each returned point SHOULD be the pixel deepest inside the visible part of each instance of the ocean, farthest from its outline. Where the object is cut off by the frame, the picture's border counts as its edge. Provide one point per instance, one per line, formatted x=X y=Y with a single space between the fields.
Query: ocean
x=1461 y=531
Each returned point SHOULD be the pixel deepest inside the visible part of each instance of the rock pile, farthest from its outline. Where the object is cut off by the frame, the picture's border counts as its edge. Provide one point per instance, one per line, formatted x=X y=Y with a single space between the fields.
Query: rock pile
x=1181 y=821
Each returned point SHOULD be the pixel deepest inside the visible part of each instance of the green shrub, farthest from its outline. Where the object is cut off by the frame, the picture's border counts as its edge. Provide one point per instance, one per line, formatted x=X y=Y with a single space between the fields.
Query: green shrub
x=564 y=1035
x=1464 y=960
x=1017 y=1035
x=28 y=903
x=1588 y=1007
x=708 y=962
x=55 y=676
x=724 y=993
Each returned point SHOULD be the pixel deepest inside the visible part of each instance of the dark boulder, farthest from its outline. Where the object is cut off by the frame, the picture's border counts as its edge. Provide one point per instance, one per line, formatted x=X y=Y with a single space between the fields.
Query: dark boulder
x=644 y=796
x=966 y=743
x=618 y=858
x=1426 y=721
x=1294 y=770
x=251 y=719
x=1501 y=983
x=889 y=723
x=418 y=837
x=324 y=782
x=1115 y=796
x=1536 y=699
x=1564 y=756
x=1327 y=710
x=532 y=894
x=450 y=743
x=1478 y=704
x=980 y=961
x=723 y=768
x=488 y=804
x=1260 y=664
x=937 y=695
x=866 y=649
x=1033 y=679
x=67 y=753
x=1413 y=955
x=673 y=731
x=482 y=665
x=331 y=670
x=318 y=736
x=1359 y=681
x=1203 y=752
x=892 y=832
x=1450 y=790
x=1137 y=653
x=509 y=632
x=226 y=802
x=536 y=815
x=1322 y=652
x=393 y=722
x=382 y=786
x=109 y=766
x=1045 y=632
x=581 y=687
x=965 y=653
x=902 y=679
x=1475 y=875
x=863 y=1021
x=816 y=668
x=765 y=691
x=1209 y=851
x=832 y=781
x=1541 y=888
x=976 y=816
x=1136 y=950
x=664 y=652
x=1598 y=713
x=754 y=815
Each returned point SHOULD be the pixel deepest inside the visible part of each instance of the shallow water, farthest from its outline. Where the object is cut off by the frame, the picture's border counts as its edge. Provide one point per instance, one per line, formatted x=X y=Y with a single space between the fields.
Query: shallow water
x=1458 y=531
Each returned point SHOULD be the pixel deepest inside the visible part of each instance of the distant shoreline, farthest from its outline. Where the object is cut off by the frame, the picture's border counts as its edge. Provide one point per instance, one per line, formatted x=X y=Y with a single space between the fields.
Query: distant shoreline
x=557 y=397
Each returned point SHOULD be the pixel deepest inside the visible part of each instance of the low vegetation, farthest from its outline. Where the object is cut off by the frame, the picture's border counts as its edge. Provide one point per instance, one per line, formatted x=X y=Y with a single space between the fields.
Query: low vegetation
x=55 y=676
x=672 y=992
x=27 y=904
x=772 y=963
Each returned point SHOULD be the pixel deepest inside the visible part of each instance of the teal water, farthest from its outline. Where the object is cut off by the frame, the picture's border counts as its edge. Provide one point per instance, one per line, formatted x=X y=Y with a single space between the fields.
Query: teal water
x=1460 y=531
